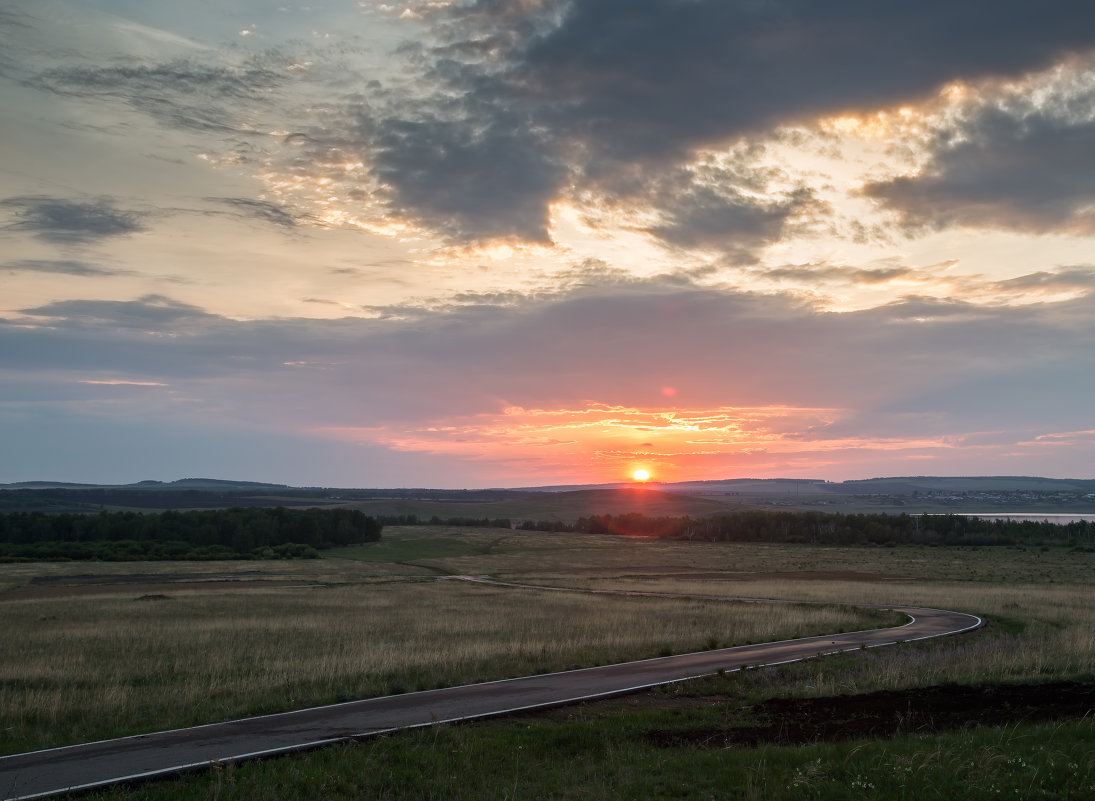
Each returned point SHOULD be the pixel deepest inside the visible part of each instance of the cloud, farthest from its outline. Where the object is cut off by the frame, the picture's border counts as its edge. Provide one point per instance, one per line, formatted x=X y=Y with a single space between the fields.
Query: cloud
x=70 y=222
x=712 y=217
x=757 y=378
x=617 y=90
x=182 y=93
x=1026 y=169
x=14 y=26
x=618 y=345
x=915 y=284
x=496 y=182
x=152 y=312
x=258 y=209
x=1076 y=278
x=61 y=267
x=817 y=273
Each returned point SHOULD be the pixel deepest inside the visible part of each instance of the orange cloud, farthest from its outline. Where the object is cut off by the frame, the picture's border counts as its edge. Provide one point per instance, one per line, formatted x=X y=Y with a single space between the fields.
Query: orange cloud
x=602 y=443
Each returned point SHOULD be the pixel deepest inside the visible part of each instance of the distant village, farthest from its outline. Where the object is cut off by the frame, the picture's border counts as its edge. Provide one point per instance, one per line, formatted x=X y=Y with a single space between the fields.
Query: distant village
x=959 y=500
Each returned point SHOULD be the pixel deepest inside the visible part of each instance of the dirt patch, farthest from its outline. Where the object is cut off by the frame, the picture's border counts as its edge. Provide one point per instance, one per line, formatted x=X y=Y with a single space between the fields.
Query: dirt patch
x=730 y=575
x=795 y=721
x=823 y=575
x=140 y=578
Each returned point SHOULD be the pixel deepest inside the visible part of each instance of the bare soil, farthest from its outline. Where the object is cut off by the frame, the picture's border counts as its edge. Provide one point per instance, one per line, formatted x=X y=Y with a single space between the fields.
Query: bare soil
x=730 y=575
x=930 y=710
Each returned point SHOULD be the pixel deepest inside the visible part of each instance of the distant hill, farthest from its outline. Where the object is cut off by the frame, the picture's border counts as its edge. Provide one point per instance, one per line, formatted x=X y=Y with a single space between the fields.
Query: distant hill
x=149 y=484
x=207 y=483
x=928 y=494
x=909 y=485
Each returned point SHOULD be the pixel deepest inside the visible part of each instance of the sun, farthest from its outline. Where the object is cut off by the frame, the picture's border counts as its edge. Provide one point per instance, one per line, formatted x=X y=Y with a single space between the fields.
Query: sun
x=641 y=475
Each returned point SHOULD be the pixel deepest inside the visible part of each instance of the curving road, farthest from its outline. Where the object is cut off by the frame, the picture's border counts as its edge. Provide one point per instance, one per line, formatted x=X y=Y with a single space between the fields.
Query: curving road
x=41 y=773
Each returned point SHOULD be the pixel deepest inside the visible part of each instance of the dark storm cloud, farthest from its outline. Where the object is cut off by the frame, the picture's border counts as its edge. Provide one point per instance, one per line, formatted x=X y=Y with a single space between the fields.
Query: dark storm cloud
x=1031 y=170
x=468 y=178
x=67 y=221
x=61 y=267
x=709 y=216
x=259 y=210
x=649 y=78
x=616 y=89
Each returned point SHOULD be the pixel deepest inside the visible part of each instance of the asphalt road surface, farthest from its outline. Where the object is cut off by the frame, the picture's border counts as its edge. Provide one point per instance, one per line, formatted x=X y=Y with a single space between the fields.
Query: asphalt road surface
x=41 y=773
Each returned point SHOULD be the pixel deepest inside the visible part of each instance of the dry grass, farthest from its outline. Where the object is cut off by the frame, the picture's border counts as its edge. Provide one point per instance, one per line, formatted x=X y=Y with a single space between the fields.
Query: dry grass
x=1033 y=631
x=78 y=668
x=1040 y=605
x=510 y=553
x=74 y=669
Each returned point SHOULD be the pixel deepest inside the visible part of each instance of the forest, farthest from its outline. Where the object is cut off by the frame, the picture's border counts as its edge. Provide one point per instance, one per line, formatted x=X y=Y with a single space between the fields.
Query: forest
x=235 y=533
x=821 y=528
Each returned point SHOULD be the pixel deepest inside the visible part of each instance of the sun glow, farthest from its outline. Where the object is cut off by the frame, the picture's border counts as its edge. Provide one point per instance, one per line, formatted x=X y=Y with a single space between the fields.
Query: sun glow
x=611 y=442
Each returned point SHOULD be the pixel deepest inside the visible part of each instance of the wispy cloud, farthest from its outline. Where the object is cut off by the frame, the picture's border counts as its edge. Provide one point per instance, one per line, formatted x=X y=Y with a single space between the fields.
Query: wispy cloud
x=152 y=312
x=262 y=210
x=64 y=221
x=845 y=287
x=62 y=267
x=121 y=382
x=183 y=93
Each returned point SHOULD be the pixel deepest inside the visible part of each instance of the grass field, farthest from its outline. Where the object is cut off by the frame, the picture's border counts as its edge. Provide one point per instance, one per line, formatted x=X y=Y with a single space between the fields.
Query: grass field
x=564 y=506
x=92 y=656
x=382 y=621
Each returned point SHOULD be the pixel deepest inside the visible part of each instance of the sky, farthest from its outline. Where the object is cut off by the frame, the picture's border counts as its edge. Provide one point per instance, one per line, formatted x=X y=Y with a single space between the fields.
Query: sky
x=504 y=243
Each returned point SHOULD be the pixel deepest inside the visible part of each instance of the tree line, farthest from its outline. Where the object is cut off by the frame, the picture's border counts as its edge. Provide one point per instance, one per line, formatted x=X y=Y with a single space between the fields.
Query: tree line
x=845 y=529
x=821 y=528
x=236 y=533
x=435 y=520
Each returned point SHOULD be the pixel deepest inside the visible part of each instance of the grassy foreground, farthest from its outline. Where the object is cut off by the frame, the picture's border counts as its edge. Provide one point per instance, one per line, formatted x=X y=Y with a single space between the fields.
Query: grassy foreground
x=92 y=657
x=609 y=759
x=382 y=622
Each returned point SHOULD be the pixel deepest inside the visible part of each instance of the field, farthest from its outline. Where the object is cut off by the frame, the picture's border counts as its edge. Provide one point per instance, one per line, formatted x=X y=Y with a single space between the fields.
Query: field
x=91 y=653
x=563 y=506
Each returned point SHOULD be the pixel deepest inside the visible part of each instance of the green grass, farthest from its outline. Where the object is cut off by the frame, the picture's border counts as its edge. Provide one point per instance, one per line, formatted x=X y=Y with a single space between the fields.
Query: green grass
x=90 y=667
x=381 y=604
x=608 y=757
x=564 y=506
x=405 y=550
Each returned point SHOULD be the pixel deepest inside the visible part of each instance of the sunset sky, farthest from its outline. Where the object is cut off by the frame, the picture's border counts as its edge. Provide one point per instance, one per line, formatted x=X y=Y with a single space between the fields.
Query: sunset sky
x=536 y=242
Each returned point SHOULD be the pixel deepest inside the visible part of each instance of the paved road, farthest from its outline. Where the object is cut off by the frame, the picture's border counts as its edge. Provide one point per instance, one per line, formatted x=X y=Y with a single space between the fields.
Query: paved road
x=41 y=773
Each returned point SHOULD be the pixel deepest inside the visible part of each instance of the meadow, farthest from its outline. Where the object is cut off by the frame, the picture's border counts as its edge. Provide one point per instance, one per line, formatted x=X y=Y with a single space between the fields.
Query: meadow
x=88 y=660
x=87 y=657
